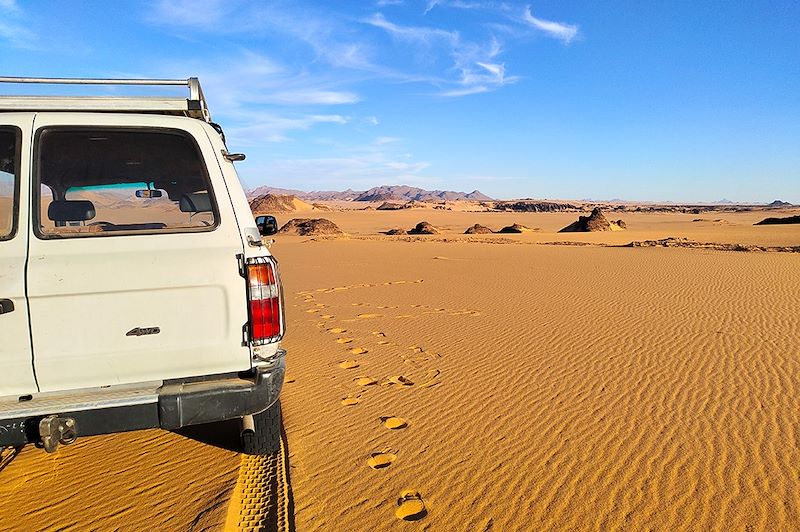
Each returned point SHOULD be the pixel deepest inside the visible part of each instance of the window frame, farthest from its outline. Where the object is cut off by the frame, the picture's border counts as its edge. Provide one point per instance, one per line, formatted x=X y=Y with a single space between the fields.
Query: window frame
x=15 y=206
x=36 y=192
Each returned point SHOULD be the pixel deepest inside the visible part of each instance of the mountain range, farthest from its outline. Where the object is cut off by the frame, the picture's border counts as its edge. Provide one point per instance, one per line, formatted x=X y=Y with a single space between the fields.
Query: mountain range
x=381 y=193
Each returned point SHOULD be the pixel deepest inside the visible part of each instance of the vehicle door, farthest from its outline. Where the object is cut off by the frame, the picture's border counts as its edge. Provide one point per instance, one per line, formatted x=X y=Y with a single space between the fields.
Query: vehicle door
x=16 y=365
x=133 y=270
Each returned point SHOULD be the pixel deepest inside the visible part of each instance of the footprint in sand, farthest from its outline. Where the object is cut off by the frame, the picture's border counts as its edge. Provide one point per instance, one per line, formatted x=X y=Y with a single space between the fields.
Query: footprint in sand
x=394 y=423
x=320 y=305
x=312 y=310
x=383 y=342
x=365 y=316
x=398 y=380
x=337 y=330
x=430 y=379
x=381 y=460
x=378 y=333
x=344 y=340
x=351 y=400
x=365 y=381
x=349 y=364
x=358 y=351
x=326 y=316
x=410 y=506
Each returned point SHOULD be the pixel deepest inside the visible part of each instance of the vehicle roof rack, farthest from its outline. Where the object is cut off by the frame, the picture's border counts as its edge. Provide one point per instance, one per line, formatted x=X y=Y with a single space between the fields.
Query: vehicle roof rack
x=194 y=106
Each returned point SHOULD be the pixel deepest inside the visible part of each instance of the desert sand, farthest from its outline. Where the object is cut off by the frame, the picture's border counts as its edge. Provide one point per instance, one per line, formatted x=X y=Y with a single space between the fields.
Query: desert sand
x=532 y=381
x=550 y=387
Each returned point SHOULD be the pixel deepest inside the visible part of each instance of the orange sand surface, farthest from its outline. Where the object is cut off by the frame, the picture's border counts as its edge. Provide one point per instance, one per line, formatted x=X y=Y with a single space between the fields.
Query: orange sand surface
x=513 y=385
x=145 y=480
x=552 y=387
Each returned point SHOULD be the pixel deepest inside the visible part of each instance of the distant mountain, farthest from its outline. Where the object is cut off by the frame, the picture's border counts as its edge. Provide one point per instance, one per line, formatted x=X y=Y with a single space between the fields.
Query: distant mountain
x=382 y=193
x=724 y=201
x=779 y=203
x=404 y=192
x=316 y=195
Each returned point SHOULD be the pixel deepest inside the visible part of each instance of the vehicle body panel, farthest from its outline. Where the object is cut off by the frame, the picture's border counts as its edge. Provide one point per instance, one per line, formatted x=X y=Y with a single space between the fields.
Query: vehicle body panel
x=86 y=294
x=16 y=365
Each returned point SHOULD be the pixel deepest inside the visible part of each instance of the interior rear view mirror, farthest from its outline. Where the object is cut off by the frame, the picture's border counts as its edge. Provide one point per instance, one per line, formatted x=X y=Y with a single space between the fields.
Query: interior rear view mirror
x=267 y=225
x=148 y=193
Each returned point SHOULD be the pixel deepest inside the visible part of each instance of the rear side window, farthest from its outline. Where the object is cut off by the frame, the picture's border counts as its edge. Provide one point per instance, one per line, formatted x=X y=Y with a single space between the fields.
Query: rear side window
x=121 y=181
x=9 y=181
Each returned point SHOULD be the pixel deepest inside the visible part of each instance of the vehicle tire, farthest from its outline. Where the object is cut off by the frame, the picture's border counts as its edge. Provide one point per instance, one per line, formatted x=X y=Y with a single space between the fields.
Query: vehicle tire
x=266 y=438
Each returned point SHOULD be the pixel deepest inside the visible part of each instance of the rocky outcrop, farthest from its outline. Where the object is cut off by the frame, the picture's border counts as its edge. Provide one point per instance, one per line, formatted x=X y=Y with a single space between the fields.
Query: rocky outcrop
x=532 y=206
x=516 y=228
x=594 y=222
x=310 y=227
x=424 y=228
x=478 y=229
x=779 y=221
x=389 y=206
x=271 y=203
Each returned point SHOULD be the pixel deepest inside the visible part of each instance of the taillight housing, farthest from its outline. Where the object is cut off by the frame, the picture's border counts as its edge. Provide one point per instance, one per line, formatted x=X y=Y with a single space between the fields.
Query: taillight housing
x=265 y=300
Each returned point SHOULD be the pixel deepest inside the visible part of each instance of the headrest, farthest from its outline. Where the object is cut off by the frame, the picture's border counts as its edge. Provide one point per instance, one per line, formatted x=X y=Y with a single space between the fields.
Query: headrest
x=70 y=210
x=196 y=202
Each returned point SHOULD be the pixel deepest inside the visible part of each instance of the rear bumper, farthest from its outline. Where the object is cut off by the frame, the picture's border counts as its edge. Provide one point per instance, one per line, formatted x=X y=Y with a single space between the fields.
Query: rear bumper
x=172 y=405
x=184 y=404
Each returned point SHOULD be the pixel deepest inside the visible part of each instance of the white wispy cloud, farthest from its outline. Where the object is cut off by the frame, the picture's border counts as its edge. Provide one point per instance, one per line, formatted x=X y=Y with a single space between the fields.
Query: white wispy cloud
x=312 y=97
x=383 y=160
x=13 y=28
x=559 y=30
x=473 y=63
x=342 y=172
x=325 y=33
x=257 y=128
x=455 y=63
x=456 y=93
x=458 y=4
x=9 y=6
x=419 y=34
x=372 y=120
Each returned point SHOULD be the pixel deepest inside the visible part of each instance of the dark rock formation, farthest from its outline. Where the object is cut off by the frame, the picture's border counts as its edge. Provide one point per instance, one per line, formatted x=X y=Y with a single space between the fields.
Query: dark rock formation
x=477 y=229
x=424 y=228
x=594 y=222
x=779 y=221
x=515 y=228
x=310 y=227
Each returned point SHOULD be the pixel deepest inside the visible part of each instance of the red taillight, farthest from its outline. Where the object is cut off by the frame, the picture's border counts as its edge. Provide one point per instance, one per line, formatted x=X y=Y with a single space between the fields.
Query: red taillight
x=264 y=294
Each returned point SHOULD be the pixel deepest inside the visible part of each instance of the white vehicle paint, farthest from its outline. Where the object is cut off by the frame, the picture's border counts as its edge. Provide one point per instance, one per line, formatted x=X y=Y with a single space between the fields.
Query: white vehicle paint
x=115 y=315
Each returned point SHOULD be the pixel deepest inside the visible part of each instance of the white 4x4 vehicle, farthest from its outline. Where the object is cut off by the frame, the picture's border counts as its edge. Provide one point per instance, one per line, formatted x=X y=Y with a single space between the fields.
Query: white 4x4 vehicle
x=135 y=291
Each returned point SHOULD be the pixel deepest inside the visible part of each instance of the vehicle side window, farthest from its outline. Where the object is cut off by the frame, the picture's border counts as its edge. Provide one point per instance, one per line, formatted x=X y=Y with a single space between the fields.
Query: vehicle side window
x=9 y=181
x=101 y=182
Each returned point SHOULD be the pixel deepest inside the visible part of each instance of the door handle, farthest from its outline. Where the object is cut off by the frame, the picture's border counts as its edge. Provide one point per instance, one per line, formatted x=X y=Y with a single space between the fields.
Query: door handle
x=6 y=305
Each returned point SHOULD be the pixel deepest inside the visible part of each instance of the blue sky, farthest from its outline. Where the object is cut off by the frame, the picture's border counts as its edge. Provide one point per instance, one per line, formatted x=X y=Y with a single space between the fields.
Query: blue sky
x=679 y=100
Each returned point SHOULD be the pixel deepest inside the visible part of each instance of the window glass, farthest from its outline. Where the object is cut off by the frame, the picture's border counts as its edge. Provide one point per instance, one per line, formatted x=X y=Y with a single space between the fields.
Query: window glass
x=8 y=181
x=104 y=182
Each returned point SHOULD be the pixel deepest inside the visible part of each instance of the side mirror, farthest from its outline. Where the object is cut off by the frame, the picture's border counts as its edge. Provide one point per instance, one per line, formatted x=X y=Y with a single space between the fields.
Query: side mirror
x=267 y=225
x=148 y=193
